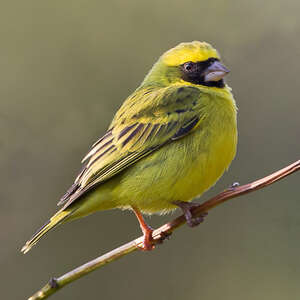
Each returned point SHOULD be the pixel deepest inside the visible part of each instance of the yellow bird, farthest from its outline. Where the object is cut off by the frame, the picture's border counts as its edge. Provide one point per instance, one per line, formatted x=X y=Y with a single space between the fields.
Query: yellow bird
x=170 y=141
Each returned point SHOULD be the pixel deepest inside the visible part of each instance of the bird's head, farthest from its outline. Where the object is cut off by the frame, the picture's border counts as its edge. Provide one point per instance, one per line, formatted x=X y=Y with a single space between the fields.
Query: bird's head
x=196 y=63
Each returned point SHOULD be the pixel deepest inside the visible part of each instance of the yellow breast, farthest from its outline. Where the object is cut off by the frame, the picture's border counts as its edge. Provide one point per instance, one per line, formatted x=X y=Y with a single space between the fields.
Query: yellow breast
x=213 y=148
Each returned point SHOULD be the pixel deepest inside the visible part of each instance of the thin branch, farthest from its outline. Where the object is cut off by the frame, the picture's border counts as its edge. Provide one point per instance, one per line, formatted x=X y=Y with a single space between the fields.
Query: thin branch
x=159 y=234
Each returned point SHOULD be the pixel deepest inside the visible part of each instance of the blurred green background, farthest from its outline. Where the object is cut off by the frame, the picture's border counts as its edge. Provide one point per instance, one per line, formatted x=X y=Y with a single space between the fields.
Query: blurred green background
x=65 y=68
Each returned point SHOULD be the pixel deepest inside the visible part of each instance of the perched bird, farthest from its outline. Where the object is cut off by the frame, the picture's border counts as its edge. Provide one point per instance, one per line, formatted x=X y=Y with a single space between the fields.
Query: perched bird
x=169 y=142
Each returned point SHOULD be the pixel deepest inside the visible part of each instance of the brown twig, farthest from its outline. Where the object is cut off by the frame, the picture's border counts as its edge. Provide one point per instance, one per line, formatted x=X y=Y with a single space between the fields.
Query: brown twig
x=55 y=284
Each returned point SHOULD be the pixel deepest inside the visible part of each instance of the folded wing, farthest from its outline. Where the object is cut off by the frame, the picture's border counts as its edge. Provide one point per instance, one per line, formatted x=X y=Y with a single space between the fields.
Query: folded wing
x=147 y=121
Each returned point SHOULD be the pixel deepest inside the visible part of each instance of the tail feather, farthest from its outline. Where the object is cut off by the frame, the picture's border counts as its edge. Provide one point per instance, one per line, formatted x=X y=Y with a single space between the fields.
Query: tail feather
x=58 y=218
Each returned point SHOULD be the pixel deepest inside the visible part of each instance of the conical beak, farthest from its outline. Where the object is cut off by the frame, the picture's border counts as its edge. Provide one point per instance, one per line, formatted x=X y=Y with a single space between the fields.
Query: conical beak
x=215 y=72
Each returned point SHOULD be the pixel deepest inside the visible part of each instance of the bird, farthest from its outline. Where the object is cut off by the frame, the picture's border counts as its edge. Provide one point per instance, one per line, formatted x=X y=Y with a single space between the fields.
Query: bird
x=169 y=142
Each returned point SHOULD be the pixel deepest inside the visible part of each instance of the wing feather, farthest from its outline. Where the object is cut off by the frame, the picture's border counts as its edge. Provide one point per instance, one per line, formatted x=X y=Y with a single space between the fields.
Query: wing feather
x=136 y=132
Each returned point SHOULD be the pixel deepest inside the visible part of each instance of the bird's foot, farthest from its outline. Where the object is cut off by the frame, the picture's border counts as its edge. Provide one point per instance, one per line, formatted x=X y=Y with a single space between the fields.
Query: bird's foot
x=148 y=242
x=186 y=208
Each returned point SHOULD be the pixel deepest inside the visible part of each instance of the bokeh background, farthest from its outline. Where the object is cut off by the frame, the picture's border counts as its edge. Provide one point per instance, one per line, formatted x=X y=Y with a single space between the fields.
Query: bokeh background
x=66 y=66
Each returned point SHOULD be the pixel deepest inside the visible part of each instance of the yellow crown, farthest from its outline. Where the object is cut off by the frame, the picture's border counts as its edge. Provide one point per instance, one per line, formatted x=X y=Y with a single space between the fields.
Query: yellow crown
x=184 y=52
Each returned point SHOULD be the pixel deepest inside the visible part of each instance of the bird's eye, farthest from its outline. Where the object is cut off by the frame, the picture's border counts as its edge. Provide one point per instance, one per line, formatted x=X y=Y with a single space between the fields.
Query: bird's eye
x=188 y=66
x=212 y=60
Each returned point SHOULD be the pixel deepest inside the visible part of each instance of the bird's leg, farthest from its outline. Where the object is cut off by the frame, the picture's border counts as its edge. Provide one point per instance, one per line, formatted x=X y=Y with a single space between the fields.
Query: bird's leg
x=147 y=231
x=186 y=208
